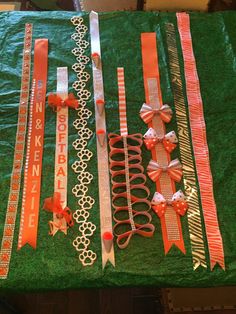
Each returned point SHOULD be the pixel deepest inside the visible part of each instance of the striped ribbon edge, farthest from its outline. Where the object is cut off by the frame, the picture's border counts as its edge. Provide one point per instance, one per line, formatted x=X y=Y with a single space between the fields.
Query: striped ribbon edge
x=122 y=102
x=200 y=147
x=190 y=186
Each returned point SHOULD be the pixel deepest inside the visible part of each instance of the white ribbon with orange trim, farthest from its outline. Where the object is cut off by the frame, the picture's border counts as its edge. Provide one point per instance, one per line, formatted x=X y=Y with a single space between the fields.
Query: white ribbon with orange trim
x=102 y=153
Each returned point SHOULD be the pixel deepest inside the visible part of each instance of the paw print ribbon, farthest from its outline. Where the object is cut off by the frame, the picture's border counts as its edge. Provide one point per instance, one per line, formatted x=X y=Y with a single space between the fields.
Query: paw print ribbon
x=53 y=205
x=169 y=140
x=147 y=113
x=56 y=102
x=178 y=202
x=174 y=170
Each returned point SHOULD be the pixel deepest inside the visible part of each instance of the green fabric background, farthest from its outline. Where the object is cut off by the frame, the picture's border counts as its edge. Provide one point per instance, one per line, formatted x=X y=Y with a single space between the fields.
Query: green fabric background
x=54 y=264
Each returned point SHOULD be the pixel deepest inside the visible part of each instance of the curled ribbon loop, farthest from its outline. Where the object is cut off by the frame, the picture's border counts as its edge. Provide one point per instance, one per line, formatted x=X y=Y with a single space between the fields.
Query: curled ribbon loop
x=147 y=113
x=130 y=218
x=174 y=170
x=169 y=140
x=56 y=102
x=178 y=202
x=53 y=205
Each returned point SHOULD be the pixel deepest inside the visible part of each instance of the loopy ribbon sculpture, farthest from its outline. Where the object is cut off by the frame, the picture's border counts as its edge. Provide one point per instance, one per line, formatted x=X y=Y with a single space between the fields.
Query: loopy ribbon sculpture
x=174 y=170
x=169 y=140
x=56 y=102
x=178 y=202
x=128 y=183
x=147 y=113
x=53 y=205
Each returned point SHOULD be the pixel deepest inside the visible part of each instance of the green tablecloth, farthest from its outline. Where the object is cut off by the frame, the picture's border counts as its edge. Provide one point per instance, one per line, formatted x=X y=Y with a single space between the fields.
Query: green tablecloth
x=54 y=264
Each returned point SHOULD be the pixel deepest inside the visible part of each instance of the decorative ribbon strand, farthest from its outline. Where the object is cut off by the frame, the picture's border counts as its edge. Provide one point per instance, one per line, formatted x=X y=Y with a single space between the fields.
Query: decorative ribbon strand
x=80 y=190
x=102 y=153
x=123 y=180
x=190 y=185
x=34 y=155
x=15 y=184
x=200 y=147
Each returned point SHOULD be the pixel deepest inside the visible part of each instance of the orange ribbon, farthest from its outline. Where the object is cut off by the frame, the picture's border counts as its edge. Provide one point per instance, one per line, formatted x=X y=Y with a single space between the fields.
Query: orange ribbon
x=53 y=205
x=56 y=102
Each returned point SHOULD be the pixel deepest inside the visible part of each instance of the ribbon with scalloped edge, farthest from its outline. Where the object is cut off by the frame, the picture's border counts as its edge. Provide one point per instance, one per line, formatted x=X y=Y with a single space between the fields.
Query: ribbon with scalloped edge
x=161 y=169
x=34 y=154
x=200 y=147
x=128 y=180
x=189 y=173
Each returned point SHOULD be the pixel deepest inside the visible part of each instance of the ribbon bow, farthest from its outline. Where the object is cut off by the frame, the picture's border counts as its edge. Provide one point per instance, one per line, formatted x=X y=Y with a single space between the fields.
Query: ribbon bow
x=56 y=102
x=53 y=204
x=151 y=139
x=147 y=113
x=174 y=170
x=178 y=202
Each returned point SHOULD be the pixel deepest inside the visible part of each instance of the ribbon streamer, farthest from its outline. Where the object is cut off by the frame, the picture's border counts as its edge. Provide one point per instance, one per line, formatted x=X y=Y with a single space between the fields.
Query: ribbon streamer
x=33 y=163
x=190 y=185
x=170 y=221
x=125 y=190
x=15 y=183
x=102 y=153
x=200 y=147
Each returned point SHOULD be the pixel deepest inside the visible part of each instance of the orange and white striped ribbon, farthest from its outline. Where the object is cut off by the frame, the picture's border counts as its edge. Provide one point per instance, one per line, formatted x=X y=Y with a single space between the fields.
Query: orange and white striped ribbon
x=15 y=184
x=122 y=102
x=200 y=147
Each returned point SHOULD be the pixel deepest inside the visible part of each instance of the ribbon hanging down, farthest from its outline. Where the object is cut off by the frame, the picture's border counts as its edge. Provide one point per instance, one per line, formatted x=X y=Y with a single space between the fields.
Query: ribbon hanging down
x=15 y=184
x=161 y=169
x=33 y=163
x=62 y=217
x=102 y=153
x=200 y=147
x=128 y=178
x=189 y=174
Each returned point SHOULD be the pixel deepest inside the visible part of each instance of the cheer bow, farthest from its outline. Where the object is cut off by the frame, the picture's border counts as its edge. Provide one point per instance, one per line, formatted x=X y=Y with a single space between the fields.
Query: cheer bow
x=147 y=113
x=56 y=102
x=178 y=202
x=151 y=139
x=53 y=204
x=174 y=170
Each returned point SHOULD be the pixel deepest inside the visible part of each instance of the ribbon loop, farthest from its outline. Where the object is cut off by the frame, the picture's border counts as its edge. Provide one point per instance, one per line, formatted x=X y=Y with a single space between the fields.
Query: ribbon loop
x=147 y=113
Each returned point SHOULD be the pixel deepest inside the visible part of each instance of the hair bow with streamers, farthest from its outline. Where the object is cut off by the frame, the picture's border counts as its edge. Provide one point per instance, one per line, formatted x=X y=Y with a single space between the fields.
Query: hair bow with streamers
x=151 y=139
x=147 y=113
x=53 y=204
x=178 y=202
x=56 y=102
x=174 y=170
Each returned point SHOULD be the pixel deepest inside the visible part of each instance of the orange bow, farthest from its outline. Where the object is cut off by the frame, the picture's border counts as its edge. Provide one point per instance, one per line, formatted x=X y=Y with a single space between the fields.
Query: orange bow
x=56 y=102
x=53 y=204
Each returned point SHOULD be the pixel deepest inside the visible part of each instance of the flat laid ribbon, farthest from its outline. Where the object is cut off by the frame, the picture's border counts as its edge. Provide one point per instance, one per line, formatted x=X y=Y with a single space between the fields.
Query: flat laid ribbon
x=169 y=140
x=53 y=205
x=147 y=113
x=34 y=155
x=174 y=170
x=56 y=102
x=170 y=221
x=200 y=147
x=105 y=207
x=184 y=137
x=178 y=202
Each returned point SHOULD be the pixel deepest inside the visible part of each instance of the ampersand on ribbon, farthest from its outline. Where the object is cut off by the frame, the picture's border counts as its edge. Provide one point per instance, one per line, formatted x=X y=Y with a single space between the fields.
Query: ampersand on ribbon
x=169 y=140
x=53 y=205
x=56 y=102
x=174 y=170
x=147 y=113
x=178 y=203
